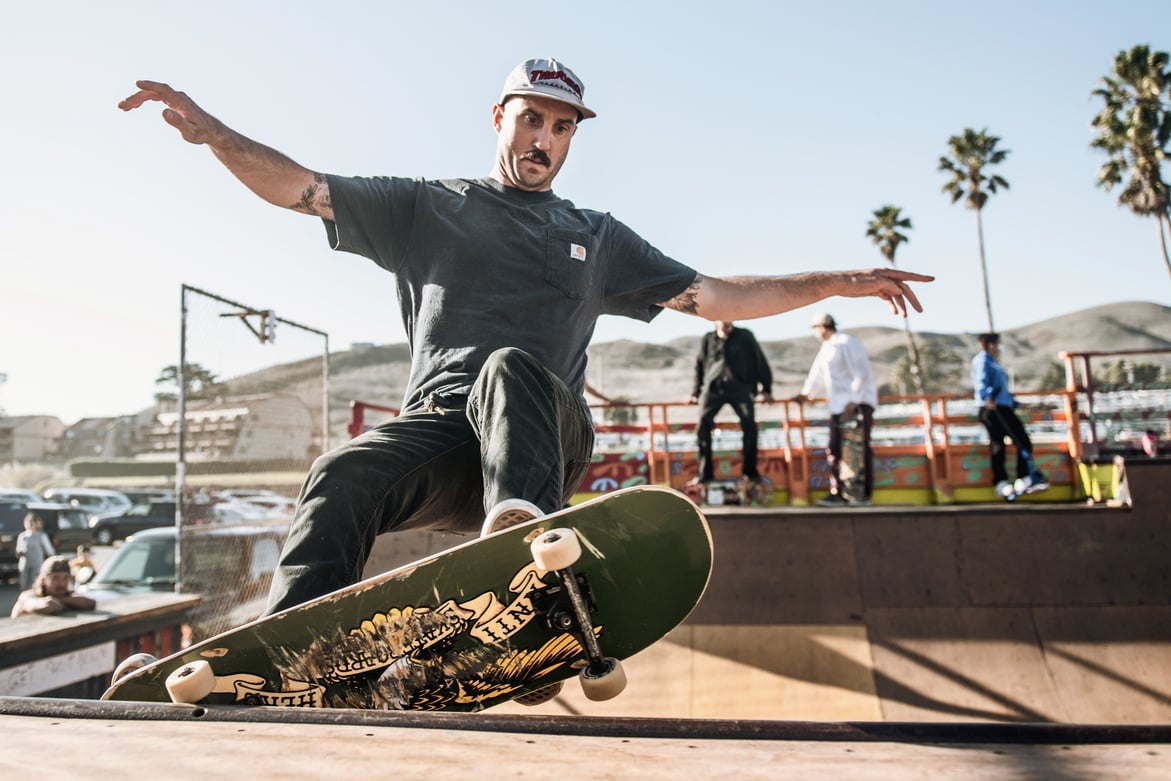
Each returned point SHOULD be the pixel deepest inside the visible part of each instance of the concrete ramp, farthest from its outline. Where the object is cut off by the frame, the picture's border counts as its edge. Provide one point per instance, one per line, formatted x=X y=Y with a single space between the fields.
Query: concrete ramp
x=85 y=739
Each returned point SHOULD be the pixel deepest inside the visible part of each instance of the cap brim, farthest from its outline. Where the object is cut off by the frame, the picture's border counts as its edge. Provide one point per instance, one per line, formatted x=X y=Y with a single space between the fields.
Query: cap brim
x=580 y=107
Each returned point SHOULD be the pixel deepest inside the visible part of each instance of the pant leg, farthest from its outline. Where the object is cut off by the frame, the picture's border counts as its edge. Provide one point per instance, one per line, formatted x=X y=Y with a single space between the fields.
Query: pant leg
x=866 y=419
x=992 y=421
x=537 y=435
x=710 y=404
x=1025 y=465
x=833 y=453
x=745 y=409
x=417 y=471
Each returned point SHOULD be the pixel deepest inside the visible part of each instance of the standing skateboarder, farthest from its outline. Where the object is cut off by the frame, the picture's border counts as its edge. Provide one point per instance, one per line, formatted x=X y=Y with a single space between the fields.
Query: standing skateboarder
x=998 y=414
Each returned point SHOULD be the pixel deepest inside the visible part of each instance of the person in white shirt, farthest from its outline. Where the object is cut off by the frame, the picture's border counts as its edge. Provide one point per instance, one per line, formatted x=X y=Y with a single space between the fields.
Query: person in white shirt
x=842 y=372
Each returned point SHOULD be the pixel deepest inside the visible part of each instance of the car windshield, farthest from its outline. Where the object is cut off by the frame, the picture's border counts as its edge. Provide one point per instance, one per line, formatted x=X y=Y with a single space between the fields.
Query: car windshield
x=146 y=563
x=72 y=519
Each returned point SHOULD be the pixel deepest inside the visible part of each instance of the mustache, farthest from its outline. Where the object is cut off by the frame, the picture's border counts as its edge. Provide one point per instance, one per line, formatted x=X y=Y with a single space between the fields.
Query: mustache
x=536 y=155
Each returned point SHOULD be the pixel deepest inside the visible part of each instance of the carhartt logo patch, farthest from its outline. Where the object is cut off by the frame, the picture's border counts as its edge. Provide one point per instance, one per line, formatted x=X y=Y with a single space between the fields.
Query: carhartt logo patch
x=577 y=252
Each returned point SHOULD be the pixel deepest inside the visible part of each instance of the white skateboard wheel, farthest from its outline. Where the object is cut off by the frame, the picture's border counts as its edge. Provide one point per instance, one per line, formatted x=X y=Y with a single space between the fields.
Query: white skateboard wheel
x=130 y=664
x=556 y=549
x=605 y=684
x=191 y=682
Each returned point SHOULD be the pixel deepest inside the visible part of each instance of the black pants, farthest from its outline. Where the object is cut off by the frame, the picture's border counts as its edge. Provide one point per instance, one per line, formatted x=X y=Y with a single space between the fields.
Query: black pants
x=864 y=414
x=1002 y=422
x=739 y=396
x=521 y=433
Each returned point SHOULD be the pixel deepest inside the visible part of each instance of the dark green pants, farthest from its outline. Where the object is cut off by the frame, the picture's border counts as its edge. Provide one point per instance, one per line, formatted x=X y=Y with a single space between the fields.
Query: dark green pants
x=520 y=433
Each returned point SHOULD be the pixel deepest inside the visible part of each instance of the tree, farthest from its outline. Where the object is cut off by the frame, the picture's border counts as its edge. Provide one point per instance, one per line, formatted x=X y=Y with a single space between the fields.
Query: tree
x=884 y=231
x=972 y=152
x=1053 y=378
x=1124 y=372
x=199 y=381
x=942 y=369
x=1134 y=127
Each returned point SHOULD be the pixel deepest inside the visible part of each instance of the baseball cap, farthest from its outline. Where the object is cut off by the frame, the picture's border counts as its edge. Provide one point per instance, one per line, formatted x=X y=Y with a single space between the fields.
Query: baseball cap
x=825 y=319
x=549 y=79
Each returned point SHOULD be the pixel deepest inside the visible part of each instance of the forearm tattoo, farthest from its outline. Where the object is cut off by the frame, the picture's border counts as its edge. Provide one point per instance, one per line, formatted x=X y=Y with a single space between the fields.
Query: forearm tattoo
x=315 y=199
x=687 y=301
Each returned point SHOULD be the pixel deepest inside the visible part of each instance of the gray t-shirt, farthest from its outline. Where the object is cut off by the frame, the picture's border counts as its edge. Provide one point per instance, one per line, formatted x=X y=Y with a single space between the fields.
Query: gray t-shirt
x=481 y=266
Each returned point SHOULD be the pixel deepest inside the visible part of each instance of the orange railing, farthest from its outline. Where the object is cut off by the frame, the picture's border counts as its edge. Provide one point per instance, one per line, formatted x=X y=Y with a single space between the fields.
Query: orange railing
x=929 y=449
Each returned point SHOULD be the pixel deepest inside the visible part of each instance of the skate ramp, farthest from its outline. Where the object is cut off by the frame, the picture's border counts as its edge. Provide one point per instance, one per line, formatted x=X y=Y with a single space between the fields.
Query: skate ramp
x=1052 y=613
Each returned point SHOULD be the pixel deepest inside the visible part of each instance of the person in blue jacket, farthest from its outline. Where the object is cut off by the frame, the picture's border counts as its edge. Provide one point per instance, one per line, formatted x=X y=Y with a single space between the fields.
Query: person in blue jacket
x=998 y=414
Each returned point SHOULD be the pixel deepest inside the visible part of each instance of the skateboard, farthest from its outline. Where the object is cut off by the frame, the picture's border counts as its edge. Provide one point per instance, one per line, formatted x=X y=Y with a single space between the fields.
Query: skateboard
x=491 y=620
x=852 y=470
x=741 y=491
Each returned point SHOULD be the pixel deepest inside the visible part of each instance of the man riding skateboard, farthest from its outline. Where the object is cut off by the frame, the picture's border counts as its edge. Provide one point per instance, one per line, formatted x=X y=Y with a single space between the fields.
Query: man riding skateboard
x=500 y=283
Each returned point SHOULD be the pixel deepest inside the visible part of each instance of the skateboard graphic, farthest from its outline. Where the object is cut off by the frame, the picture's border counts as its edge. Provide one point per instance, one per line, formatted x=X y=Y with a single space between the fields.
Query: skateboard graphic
x=491 y=620
x=852 y=470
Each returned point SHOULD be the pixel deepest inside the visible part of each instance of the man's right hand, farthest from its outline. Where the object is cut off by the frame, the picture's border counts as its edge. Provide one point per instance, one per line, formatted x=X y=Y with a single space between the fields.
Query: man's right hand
x=273 y=176
x=181 y=112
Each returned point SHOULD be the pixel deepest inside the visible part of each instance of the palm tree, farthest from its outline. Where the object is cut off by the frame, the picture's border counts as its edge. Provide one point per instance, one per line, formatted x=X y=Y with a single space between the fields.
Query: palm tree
x=1134 y=127
x=883 y=230
x=971 y=153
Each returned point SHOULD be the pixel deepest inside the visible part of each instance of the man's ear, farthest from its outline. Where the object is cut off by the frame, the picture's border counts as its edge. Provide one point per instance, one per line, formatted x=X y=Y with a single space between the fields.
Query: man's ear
x=497 y=116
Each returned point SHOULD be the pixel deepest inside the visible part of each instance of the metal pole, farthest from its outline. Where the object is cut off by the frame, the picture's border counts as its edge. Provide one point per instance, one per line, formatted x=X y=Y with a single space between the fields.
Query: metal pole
x=325 y=396
x=180 y=451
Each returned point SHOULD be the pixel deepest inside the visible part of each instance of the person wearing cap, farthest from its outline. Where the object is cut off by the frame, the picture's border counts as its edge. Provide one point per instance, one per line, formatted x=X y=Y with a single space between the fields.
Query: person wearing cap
x=842 y=372
x=998 y=414
x=52 y=592
x=500 y=282
x=729 y=369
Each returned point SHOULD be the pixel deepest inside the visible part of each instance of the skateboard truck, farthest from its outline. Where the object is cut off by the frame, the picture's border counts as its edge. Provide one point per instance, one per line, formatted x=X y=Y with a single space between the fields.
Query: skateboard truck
x=557 y=550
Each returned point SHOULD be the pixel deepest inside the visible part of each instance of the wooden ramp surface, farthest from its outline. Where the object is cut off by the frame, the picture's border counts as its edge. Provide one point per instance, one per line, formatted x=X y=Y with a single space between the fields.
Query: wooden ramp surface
x=85 y=739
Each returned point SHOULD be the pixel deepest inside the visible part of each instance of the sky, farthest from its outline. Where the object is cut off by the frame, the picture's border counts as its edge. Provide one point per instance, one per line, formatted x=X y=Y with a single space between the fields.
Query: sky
x=738 y=137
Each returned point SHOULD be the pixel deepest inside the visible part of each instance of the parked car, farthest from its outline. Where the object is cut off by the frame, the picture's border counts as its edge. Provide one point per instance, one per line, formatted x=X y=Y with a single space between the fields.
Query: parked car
x=93 y=500
x=66 y=525
x=107 y=527
x=19 y=495
x=229 y=566
x=272 y=506
x=139 y=495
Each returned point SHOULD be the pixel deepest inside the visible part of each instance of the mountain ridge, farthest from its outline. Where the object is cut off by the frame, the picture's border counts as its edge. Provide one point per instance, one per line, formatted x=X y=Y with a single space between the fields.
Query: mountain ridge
x=648 y=371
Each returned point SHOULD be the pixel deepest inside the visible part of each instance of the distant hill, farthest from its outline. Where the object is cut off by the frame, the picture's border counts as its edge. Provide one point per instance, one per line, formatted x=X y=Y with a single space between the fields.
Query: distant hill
x=664 y=372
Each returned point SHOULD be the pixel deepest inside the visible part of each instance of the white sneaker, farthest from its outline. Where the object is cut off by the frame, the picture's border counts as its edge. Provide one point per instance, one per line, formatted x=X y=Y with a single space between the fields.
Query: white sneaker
x=1004 y=489
x=509 y=513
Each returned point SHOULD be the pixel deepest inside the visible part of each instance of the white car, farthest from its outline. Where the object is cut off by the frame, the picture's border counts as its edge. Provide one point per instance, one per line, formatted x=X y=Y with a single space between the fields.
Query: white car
x=19 y=495
x=94 y=501
x=272 y=506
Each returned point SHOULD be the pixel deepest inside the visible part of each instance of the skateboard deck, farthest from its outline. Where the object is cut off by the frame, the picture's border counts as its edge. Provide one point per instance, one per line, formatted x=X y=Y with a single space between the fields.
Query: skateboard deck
x=468 y=628
x=852 y=470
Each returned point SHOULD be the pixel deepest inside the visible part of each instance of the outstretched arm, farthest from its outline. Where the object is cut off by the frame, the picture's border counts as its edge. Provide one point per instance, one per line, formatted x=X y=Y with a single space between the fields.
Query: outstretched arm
x=268 y=173
x=744 y=298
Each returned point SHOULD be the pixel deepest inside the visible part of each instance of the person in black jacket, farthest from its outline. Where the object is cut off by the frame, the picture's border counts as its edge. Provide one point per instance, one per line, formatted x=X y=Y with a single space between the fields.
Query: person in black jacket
x=728 y=370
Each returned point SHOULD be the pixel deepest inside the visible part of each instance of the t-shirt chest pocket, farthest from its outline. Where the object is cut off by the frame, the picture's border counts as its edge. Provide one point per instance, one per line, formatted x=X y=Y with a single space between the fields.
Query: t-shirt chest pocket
x=571 y=262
